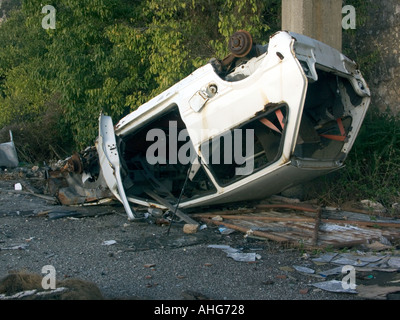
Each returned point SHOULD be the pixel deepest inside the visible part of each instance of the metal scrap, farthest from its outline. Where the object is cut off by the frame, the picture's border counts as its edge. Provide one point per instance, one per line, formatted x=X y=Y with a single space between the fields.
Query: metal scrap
x=311 y=232
x=8 y=154
x=237 y=254
x=78 y=180
x=333 y=286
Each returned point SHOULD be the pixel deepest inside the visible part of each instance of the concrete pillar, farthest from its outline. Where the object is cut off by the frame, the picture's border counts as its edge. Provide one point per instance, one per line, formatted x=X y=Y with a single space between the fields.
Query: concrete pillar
x=318 y=19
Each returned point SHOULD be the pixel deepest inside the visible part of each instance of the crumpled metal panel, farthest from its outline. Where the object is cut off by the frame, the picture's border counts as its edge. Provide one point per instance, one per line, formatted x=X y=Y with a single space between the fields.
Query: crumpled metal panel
x=8 y=154
x=77 y=181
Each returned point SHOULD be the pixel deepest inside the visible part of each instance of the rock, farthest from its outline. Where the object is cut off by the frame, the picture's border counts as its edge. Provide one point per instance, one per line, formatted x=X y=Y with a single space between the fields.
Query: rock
x=190 y=228
x=373 y=206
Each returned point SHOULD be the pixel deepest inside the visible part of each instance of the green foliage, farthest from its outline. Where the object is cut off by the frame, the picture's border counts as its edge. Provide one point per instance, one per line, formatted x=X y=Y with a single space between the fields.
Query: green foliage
x=374 y=165
x=185 y=35
x=111 y=55
x=23 y=83
x=365 y=57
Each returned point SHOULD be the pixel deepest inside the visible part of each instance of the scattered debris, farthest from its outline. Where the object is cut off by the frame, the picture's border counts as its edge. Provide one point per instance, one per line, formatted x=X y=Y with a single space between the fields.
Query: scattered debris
x=376 y=272
x=51 y=200
x=362 y=261
x=58 y=214
x=330 y=272
x=177 y=211
x=108 y=242
x=326 y=257
x=8 y=154
x=156 y=212
x=304 y=269
x=286 y=268
x=24 y=294
x=224 y=230
x=16 y=247
x=358 y=260
x=18 y=187
x=78 y=180
x=237 y=254
x=333 y=286
x=244 y=257
x=310 y=228
x=376 y=292
x=394 y=262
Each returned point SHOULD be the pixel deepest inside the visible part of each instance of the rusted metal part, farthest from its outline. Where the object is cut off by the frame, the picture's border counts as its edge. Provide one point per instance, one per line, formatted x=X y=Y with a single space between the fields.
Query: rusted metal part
x=74 y=164
x=227 y=62
x=74 y=195
x=371 y=224
x=69 y=185
x=68 y=197
x=240 y=43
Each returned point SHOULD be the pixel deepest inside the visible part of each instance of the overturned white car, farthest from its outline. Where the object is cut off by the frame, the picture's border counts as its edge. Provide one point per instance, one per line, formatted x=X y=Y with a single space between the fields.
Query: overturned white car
x=252 y=125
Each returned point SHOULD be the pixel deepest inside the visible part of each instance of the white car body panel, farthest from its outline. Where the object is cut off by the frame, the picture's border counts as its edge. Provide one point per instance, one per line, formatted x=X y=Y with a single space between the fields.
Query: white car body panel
x=276 y=80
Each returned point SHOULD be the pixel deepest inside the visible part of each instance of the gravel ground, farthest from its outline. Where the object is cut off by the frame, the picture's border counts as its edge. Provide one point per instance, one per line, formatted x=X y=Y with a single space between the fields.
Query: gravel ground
x=145 y=262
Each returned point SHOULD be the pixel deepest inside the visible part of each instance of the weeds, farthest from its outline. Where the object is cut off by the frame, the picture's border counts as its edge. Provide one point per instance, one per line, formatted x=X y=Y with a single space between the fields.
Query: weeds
x=41 y=139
